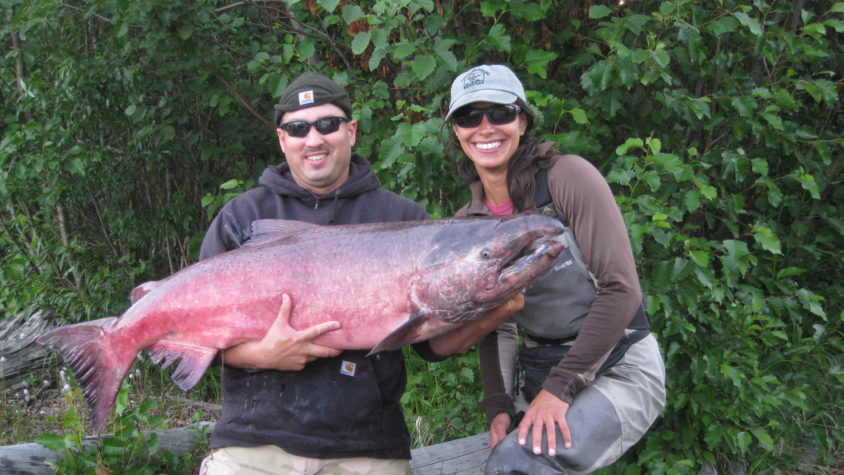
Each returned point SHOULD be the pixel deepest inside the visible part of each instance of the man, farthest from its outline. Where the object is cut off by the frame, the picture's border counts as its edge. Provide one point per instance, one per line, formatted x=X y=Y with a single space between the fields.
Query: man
x=288 y=406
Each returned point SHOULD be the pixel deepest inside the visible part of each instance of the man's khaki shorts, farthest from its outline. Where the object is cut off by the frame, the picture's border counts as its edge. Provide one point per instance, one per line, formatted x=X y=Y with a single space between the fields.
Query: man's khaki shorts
x=271 y=459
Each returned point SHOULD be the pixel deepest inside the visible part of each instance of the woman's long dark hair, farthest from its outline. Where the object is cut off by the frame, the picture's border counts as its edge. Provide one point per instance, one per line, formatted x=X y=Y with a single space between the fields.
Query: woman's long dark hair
x=521 y=180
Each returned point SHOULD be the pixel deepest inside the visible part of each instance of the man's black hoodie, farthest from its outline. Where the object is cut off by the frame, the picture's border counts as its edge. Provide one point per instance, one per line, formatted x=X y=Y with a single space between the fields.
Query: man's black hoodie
x=321 y=411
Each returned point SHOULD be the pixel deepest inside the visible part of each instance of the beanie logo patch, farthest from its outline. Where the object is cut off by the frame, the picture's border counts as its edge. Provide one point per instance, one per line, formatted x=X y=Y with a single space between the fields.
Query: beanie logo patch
x=306 y=97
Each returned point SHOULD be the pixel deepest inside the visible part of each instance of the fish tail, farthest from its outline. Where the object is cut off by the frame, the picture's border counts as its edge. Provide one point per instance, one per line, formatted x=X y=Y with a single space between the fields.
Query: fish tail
x=96 y=363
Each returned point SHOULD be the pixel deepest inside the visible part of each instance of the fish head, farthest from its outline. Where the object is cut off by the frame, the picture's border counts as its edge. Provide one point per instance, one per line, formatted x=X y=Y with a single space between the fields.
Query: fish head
x=477 y=264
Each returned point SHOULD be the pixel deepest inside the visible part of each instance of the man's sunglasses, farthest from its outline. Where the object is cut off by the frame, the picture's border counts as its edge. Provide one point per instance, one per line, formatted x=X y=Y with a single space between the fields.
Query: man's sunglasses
x=325 y=126
x=468 y=117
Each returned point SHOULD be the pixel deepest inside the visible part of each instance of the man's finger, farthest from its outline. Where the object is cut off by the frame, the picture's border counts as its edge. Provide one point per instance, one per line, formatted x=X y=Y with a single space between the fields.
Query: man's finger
x=319 y=351
x=282 y=319
x=310 y=333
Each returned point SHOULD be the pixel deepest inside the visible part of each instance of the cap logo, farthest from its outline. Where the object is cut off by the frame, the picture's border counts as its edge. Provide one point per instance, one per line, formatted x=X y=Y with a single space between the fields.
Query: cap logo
x=306 y=97
x=474 y=77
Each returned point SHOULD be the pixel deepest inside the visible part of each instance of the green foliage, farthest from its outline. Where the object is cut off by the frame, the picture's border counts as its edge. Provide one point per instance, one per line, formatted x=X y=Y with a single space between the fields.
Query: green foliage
x=718 y=125
x=443 y=400
x=133 y=447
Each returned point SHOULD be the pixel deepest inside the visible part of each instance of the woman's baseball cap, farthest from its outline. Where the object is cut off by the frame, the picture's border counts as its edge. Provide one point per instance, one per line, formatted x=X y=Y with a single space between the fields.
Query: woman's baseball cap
x=495 y=83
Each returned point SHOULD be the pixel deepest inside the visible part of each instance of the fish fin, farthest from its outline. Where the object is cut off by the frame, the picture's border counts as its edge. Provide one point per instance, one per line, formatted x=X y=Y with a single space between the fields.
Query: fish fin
x=98 y=366
x=141 y=290
x=403 y=335
x=194 y=361
x=265 y=230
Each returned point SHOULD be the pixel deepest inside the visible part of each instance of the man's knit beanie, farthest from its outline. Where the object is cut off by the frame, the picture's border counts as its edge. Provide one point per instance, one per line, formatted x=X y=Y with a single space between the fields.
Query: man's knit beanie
x=312 y=89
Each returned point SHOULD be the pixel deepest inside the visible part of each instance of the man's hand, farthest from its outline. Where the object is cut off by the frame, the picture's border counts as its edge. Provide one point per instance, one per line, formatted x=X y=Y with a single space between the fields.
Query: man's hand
x=461 y=339
x=283 y=348
x=545 y=410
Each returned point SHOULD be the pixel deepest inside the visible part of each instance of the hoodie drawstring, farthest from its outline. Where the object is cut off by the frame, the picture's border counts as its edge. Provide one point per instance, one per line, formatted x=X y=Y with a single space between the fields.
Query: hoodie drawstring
x=334 y=210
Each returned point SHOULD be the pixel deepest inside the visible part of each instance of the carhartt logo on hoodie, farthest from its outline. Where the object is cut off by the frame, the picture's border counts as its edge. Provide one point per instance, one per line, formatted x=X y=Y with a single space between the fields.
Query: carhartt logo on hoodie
x=348 y=368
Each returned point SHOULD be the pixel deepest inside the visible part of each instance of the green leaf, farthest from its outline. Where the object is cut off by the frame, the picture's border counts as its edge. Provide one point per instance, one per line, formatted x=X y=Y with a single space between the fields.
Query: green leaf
x=578 y=115
x=328 y=5
x=815 y=30
x=76 y=167
x=231 y=184
x=751 y=23
x=628 y=144
x=360 y=42
x=759 y=166
x=744 y=105
x=774 y=120
x=700 y=258
x=427 y=5
x=423 y=66
x=122 y=401
x=768 y=240
x=736 y=255
x=186 y=31
x=743 y=441
x=498 y=38
x=835 y=24
x=375 y=59
x=691 y=200
x=306 y=49
x=808 y=183
x=402 y=50
x=122 y=29
x=599 y=11
x=723 y=25
x=528 y=11
x=490 y=8
x=352 y=13
x=537 y=62
x=821 y=90
x=54 y=441
x=709 y=192
x=789 y=272
x=449 y=59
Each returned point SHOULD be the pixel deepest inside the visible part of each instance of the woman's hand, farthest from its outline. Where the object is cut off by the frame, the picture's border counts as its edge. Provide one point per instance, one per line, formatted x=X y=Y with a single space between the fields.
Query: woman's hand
x=498 y=429
x=544 y=411
x=283 y=348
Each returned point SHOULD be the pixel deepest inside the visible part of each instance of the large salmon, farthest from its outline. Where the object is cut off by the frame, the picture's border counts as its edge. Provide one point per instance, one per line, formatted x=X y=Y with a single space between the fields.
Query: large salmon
x=389 y=284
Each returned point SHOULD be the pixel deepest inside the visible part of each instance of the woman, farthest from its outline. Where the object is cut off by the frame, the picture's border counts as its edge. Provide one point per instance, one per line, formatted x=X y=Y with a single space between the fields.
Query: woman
x=592 y=373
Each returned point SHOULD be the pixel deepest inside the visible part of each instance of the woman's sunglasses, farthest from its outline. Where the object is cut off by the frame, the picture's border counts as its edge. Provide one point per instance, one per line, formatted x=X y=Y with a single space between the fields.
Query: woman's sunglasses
x=468 y=117
x=325 y=126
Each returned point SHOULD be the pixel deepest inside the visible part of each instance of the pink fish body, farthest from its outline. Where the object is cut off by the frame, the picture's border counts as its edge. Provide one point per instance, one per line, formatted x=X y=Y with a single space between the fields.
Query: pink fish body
x=389 y=284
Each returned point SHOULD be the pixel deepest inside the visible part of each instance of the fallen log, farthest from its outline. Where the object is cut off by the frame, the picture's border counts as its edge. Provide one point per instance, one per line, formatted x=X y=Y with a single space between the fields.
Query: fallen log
x=20 y=356
x=464 y=456
x=35 y=459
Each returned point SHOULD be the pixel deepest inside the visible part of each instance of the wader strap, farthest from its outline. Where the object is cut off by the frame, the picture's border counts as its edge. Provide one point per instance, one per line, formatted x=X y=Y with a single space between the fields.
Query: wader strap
x=545 y=205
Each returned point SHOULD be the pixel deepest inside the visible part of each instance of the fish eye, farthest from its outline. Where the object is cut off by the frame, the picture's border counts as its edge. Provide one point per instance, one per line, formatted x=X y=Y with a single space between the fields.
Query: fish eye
x=485 y=253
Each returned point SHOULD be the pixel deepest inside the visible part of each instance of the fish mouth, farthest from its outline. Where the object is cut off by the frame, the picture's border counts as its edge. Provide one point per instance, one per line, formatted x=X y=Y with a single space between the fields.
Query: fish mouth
x=524 y=264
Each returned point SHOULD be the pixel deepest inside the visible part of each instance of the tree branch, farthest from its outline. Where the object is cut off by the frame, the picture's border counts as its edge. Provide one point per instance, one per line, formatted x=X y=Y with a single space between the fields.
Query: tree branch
x=236 y=94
